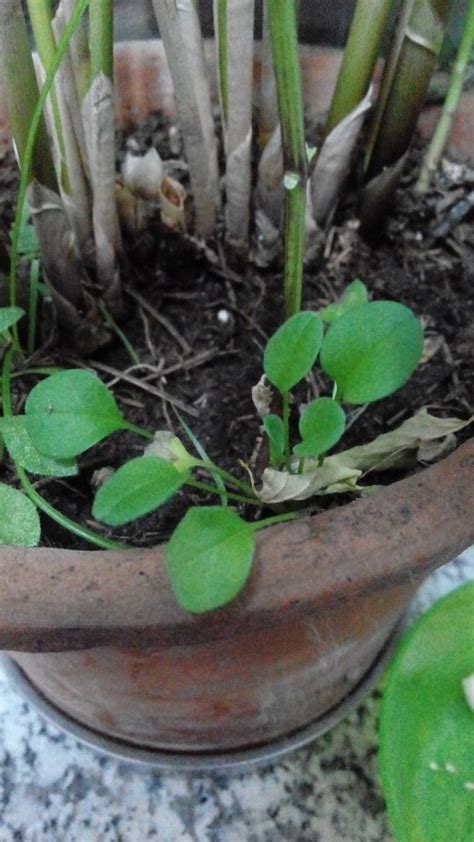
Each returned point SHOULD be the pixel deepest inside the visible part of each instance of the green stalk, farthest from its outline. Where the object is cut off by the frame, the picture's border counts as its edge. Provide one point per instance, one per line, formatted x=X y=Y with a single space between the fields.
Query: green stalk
x=211 y=489
x=34 y=130
x=220 y=28
x=360 y=55
x=407 y=74
x=286 y=430
x=21 y=91
x=101 y=37
x=226 y=476
x=438 y=141
x=282 y=22
x=40 y=13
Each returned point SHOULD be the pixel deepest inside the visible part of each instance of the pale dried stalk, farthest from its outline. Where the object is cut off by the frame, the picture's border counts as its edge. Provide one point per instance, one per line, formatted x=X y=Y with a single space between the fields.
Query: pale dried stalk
x=234 y=20
x=178 y=22
x=78 y=49
x=67 y=81
x=268 y=103
x=98 y=117
x=334 y=159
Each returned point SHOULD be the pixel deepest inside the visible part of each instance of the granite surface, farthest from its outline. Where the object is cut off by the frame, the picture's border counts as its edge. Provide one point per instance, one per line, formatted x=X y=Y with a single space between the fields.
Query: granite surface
x=52 y=789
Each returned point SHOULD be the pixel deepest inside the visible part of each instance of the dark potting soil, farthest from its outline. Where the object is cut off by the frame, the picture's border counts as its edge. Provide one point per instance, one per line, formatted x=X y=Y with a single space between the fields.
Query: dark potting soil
x=199 y=328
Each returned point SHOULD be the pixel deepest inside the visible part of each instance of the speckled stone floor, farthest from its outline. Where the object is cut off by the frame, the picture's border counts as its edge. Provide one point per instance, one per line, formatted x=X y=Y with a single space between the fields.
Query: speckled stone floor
x=52 y=789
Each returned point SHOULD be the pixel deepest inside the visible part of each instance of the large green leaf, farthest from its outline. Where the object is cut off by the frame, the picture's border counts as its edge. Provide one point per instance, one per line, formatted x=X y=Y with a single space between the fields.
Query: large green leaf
x=9 y=316
x=321 y=426
x=19 y=520
x=23 y=451
x=69 y=412
x=372 y=350
x=292 y=350
x=427 y=728
x=209 y=557
x=354 y=295
x=138 y=487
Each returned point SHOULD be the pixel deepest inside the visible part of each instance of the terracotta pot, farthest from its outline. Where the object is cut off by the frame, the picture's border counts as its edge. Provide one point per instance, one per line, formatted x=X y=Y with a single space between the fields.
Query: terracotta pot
x=101 y=636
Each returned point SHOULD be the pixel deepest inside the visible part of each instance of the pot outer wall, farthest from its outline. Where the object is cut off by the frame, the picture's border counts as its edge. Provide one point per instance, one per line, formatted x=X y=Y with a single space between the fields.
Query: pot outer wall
x=246 y=689
x=227 y=694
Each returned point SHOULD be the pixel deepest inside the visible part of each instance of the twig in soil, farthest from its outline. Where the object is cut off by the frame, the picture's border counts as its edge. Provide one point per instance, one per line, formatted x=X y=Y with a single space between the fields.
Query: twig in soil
x=355 y=416
x=152 y=390
x=163 y=321
x=147 y=333
x=454 y=216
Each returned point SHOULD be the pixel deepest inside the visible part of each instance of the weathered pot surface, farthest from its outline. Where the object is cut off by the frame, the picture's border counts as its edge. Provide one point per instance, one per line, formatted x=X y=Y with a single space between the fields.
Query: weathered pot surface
x=101 y=636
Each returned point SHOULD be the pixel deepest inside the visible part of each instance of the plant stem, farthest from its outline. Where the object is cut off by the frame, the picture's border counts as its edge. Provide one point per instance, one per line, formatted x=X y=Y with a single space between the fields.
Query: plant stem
x=286 y=429
x=101 y=36
x=33 y=305
x=110 y=321
x=360 y=55
x=438 y=141
x=407 y=73
x=214 y=469
x=282 y=22
x=211 y=489
x=34 y=128
x=268 y=521
x=233 y=25
x=40 y=16
x=182 y=38
x=138 y=430
x=21 y=91
x=37 y=499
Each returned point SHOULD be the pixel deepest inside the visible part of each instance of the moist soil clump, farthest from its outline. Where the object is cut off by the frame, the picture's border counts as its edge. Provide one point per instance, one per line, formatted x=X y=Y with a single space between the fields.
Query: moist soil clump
x=198 y=328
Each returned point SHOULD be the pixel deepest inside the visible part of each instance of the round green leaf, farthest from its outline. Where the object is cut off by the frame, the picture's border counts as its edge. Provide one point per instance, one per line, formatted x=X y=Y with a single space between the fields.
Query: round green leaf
x=321 y=426
x=353 y=295
x=69 y=412
x=426 y=754
x=372 y=350
x=9 y=316
x=292 y=350
x=19 y=520
x=138 y=487
x=209 y=557
x=24 y=453
x=275 y=431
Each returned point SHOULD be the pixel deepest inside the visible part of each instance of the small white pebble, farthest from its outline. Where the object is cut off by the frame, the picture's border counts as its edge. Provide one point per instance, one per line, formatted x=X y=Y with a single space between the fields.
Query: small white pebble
x=468 y=687
x=418 y=236
x=451 y=768
x=469 y=785
x=223 y=316
x=434 y=766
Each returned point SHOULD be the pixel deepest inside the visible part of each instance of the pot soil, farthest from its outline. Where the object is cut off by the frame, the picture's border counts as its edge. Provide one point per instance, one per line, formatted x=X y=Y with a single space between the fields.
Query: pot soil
x=111 y=647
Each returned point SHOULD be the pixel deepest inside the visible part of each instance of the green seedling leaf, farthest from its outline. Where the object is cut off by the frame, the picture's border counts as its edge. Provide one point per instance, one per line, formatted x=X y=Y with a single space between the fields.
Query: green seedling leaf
x=426 y=753
x=353 y=295
x=9 y=316
x=372 y=350
x=19 y=521
x=292 y=350
x=69 y=412
x=209 y=558
x=275 y=431
x=25 y=454
x=137 y=488
x=321 y=426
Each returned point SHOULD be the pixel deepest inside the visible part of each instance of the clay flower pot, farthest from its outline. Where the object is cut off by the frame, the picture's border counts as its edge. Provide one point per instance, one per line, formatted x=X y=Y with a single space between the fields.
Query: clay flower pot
x=99 y=634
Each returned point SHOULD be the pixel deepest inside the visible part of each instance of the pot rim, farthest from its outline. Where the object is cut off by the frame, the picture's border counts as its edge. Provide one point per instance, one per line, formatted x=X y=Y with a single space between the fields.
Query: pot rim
x=123 y=598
